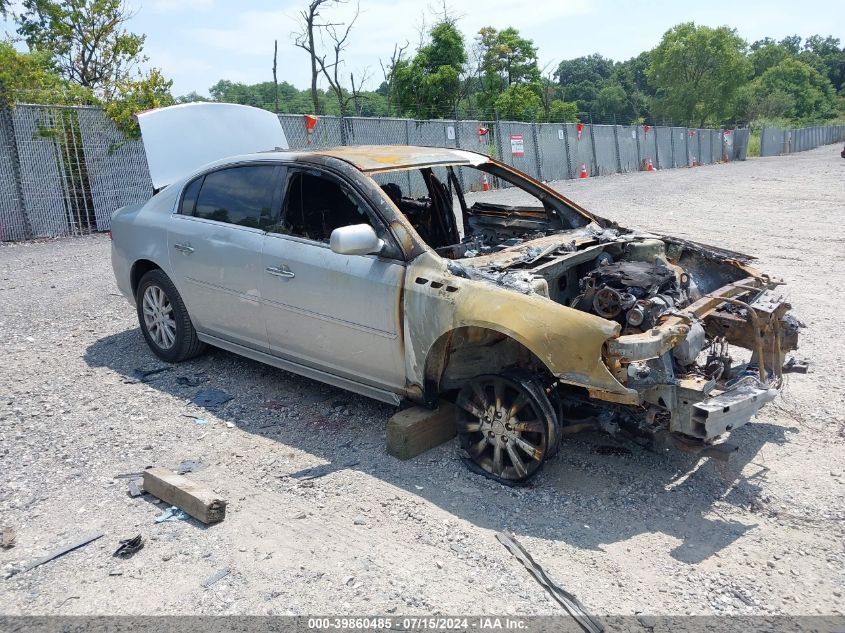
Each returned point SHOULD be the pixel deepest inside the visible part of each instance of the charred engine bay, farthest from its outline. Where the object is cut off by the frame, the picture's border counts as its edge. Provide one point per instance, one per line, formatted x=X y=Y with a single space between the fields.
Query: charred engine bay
x=632 y=278
x=624 y=276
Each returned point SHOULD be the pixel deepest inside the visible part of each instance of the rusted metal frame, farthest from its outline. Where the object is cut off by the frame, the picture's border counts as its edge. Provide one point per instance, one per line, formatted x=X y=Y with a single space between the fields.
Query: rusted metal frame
x=758 y=339
x=709 y=301
x=777 y=354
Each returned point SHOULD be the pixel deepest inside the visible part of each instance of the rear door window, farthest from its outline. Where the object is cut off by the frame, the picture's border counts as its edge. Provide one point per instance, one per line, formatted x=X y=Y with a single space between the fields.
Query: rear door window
x=238 y=195
x=189 y=197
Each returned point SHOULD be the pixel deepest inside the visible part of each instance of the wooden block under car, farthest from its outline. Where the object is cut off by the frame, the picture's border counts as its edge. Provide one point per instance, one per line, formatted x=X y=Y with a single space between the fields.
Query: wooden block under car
x=415 y=430
x=198 y=500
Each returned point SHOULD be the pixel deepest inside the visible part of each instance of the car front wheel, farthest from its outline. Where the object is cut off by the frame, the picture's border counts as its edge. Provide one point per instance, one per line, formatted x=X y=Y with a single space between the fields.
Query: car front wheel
x=164 y=319
x=507 y=426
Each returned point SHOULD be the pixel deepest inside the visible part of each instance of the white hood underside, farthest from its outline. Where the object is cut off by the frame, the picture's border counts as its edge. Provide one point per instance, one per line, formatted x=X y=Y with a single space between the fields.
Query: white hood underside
x=180 y=139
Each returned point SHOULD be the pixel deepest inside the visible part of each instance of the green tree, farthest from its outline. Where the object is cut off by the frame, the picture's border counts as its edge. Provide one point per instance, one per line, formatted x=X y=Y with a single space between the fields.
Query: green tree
x=291 y=99
x=86 y=38
x=610 y=101
x=518 y=102
x=136 y=95
x=32 y=77
x=697 y=71
x=793 y=90
x=582 y=78
x=631 y=76
x=508 y=73
x=192 y=97
x=430 y=84
x=562 y=112
x=767 y=55
x=827 y=56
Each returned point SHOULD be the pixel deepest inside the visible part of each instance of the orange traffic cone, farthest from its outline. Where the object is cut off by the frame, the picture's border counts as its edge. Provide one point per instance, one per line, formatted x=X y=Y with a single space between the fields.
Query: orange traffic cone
x=485 y=186
x=650 y=166
x=583 y=171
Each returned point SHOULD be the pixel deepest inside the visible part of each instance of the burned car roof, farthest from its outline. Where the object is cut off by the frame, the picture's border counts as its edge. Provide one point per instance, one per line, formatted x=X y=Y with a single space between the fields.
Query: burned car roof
x=381 y=158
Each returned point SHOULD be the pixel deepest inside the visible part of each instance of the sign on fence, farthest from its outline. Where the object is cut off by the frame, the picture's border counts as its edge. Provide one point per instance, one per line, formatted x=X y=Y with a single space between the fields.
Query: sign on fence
x=517 y=145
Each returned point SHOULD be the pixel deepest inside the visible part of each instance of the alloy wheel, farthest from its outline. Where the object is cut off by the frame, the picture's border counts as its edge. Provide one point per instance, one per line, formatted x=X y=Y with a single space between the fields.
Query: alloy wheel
x=158 y=317
x=504 y=426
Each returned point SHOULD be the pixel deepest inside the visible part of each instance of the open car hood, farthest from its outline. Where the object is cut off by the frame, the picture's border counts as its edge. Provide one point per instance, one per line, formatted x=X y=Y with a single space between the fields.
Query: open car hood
x=180 y=139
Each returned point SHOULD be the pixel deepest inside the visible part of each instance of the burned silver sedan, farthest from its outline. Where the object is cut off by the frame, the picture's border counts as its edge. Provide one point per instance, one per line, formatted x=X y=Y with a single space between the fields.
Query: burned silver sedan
x=537 y=319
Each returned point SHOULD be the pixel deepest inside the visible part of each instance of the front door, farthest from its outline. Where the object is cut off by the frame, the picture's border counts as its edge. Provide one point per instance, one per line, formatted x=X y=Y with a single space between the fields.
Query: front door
x=215 y=245
x=337 y=313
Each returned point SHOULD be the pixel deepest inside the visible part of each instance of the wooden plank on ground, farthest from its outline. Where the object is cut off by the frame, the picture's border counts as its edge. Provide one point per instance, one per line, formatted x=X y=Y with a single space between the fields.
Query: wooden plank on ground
x=198 y=500
x=415 y=430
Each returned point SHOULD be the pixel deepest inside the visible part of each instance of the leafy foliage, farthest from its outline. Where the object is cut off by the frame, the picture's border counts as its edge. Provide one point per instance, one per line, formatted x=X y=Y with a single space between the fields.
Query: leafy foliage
x=85 y=38
x=32 y=78
x=430 y=83
x=697 y=71
x=136 y=95
x=291 y=99
x=793 y=90
x=508 y=73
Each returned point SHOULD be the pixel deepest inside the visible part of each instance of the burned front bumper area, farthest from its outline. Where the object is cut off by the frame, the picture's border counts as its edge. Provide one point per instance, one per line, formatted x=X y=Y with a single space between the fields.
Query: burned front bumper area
x=682 y=370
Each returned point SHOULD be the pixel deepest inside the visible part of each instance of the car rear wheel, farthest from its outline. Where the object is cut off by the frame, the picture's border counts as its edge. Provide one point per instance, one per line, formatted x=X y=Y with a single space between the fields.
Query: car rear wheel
x=164 y=319
x=507 y=426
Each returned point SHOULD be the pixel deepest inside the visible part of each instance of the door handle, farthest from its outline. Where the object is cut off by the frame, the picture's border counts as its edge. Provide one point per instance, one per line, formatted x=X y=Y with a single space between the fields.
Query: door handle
x=185 y=248
x=282 y=271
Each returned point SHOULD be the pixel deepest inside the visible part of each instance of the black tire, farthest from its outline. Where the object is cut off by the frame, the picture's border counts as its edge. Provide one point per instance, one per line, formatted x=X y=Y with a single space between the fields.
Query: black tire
x=507 y=426
x=185 y=344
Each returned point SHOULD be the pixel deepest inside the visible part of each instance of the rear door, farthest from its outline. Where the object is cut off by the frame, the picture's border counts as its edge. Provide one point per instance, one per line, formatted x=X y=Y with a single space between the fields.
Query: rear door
x=215 y=242
x=337 y=313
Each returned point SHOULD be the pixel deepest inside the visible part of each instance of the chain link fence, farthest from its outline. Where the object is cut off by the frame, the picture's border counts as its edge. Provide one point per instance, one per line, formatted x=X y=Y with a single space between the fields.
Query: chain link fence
x=65 y=170
x=776 y=141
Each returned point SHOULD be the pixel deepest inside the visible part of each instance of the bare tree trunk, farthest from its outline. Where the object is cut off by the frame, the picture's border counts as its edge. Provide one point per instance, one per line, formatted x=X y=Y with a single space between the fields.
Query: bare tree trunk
x=275 y=79
x=306 y=41
x=389 y=71
x=315 y=97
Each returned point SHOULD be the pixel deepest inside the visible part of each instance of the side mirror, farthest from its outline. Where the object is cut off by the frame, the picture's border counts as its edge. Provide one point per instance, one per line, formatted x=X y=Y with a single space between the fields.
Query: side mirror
x=357 y=239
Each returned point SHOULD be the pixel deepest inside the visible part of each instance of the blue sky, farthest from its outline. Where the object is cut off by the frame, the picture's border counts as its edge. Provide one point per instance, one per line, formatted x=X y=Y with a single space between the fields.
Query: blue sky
x=197 y=42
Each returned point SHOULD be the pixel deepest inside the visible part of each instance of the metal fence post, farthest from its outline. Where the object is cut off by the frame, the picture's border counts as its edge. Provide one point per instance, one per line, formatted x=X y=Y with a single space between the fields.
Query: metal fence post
x=672 y=145
x=8 y=125
x=458 y=145
x=593 y=144
x=566 y=148
x=537 y=159
x=616 y=144
x=499 y=147
x=639 y=150
x=408 y=142
x=656 y=149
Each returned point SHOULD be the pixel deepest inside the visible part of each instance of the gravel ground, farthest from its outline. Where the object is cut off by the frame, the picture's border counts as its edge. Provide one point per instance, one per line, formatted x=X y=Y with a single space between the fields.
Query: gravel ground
x=627 y=533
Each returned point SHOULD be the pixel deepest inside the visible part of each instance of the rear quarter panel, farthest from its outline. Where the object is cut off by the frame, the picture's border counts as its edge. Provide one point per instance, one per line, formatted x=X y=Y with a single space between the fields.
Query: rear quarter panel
x=140 y=232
